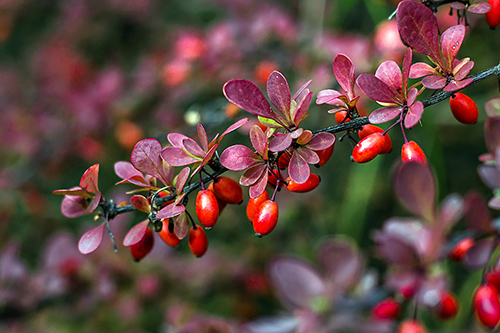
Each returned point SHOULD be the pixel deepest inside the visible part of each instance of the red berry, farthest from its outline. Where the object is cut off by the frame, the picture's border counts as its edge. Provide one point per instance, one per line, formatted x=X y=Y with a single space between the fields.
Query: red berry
x=493 y=16
x=140 y=249
x=197 y=240
x=228 y=190
x=458 y=252
x=310 y=184
x=370 y=129
x=487 y=306
x=411 y=326
x=448 y=306
x=168 y=237
x=411 y=152
x=493 y=279
x=368 y=148
x=272 y=180
x=254 y=203
x=341 y=117
x=386 y=309
x=265 y=218
x=207 y=208
x=220 y=203
x=324 y=155
x=464 y=108
x=284 y=160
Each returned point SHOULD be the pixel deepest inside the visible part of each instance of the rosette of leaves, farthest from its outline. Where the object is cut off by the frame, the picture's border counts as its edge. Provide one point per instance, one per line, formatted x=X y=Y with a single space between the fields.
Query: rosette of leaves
x=418 y=27
x=473 y=7
x=284 y=133
x=186 y=151
x=389 y=87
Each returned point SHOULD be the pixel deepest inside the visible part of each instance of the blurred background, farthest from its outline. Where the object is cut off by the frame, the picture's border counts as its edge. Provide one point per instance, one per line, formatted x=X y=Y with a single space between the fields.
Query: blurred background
x=81 y=81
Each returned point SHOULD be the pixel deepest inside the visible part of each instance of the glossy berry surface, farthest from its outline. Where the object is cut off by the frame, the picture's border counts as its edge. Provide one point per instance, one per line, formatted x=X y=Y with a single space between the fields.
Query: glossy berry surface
x=370 y=129
x=341 y=117
x=493 y=16
x=458 y=251
x=411 y=326
x=411 y=152
x=265 y=218
x=272 y=180
x=170 y=238
x=310 y=184
x=324 y=155
x=464 y=108
x=254 y=203
x=386 y=309
x=220 y=203
x=492 y=278
x=368 y=148
x=140 y=249
x=487 y=306
x=448 y=306
x=228 y=190
x=197 y=240
x=207 y=208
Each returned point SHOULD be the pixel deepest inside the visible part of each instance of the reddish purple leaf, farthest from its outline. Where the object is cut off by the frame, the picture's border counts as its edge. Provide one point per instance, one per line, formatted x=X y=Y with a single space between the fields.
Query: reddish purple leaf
x=304 y=137
x=376 y=89
x=126 y=170
x=207 y=158
x=457 y=6
x=279 y=92
x=259 y=140
x=457 y=85
x=280 y=142
x=238 y=158
x=202 y=136
x=89 y=179
x=171 y=210
x=247 y=96
x=385 y=114
x=492 y=108
x=302 y=108
x=462 y=68
x=415 y=187
x=140 y=203
x=75 y=191
x=327 y=96
x=494 y=203
x=259 y=187
x=476 y=213
x=94 y=203
x=302 y=90
x=420 y=69
x=91 y=239
x=434 y=82
x=343 y=69
x=298 y=168
x=136 y=233
x=182 y=177
x=178 y=156
x=146 y=158
x=297 y=133
x=390 y=73
x=451 y=40
x=308 y=155
x=490 y=175
x=406 y=67
x=451 y=211
x=193 y=148
x=176 y=139
x=252 y=174
x=480 y=254
x=73 y=206
x=395 y=251
x=181 y=226
x=234 y=127
x=321 y=141
x=418 y=27
x=295 y=281
x=492 y=133
x=343 y=262
x=414 y=114
x=479 y=8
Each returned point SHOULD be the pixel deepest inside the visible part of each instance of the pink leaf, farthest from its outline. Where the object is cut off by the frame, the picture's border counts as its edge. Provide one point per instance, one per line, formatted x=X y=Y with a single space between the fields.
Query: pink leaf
x=140 y=203
x=462 y=68
x=258 y=139
x=451 y=40
x=321 y=141
x=146 y=158
x=75 y=191
x=73 y=206
x=297 y=133
x=202 y=136
x=434 y=82
x=457 y=5
x=384 y=114
x=457 y=85
x=377 y=90
x=492 y=132
x=414 y=114
x=477 y=216
x=490 y=175
x=170 y=211
x=238 y=158
x=193 y=148
x=415 y=187
x=327 y=96
x=420 y=69
x=247 y=96
x=298 y=168
x=252 y=174
x=280 y=142
x=302 y=109
x=302 y=90
x=126 y=170
x=418 y=27
x=308 y=155
x=492 y=107
x=343 y=69
x=176 y=139
x=91 y=239
x=259 y=187
x=234 y=127
x=480 y=254
x=279 y=92
x=94 y=203
x=181 y=226
x=479 y=8
x=181 y=179
x=451 y=211
x=390 y=73
x=136 y=233
x=406 y=67
x=208 y=157
x=178 y=156
x=89 y=179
